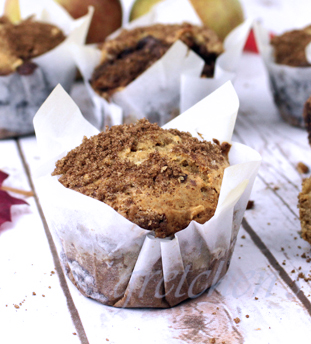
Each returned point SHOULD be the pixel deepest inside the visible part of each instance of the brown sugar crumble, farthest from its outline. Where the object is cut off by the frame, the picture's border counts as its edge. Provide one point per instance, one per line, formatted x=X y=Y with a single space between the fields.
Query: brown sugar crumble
x=289 y=48
x=237 y=320
x=302 y=168
x=159 y=179
x=21 y=42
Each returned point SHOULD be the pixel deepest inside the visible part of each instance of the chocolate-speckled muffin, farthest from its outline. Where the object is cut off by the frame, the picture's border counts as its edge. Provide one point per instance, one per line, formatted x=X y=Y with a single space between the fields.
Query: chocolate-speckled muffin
x=128 y=55
x=159 y=179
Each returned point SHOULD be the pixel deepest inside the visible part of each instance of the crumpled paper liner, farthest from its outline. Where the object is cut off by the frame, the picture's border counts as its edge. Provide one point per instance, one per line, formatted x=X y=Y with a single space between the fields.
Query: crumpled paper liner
x=176 y=83
x=290 y=86
x=22 y=95
x=111 y=259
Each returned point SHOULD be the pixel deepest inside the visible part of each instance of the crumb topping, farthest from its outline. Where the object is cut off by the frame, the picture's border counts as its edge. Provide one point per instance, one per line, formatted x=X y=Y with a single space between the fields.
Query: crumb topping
x=159 y=179
x=133 y=51
x=304 y=205
x=289 y=48
x=21 y=42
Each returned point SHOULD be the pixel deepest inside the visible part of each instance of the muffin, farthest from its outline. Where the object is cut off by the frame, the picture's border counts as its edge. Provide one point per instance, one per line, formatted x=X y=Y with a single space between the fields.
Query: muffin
x=159 y=179
x=138 y=235
x=34 y=58
x=289 y=72
x=304 y=197
x=128 y=55
x=20 y=43
x=158 y=66
x=304 y=205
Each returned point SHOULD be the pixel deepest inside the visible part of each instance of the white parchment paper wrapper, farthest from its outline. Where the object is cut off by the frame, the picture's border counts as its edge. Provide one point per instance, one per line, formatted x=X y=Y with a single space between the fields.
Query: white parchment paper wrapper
x=111 y=259
x=290 y=86
x=176 y=83
x=22 y=95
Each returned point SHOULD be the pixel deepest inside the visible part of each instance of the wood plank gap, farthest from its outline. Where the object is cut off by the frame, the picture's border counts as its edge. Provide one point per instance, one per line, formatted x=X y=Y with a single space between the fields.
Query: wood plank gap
x=274 y=263
x=70 y=304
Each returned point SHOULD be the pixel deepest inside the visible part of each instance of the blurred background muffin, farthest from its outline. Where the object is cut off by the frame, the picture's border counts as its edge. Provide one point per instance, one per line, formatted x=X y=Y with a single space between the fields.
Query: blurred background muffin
x=289 y=69
x=35 y=57
x=128 y=55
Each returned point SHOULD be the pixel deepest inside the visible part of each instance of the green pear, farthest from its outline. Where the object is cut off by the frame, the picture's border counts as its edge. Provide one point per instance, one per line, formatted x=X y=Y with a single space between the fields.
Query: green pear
x=12 y=10
x=220 y=15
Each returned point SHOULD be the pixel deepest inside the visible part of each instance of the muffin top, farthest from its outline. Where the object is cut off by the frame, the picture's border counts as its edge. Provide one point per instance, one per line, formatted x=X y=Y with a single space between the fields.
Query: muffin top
x=289 y=48
x=21 y=42
x=159 y=179
x=133 y=51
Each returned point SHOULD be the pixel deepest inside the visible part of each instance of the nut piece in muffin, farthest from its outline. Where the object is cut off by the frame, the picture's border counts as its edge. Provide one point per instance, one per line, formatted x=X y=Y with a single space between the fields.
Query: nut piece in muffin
x=128 y=55
x=21 y=42
x=157 y=178
x=289 y=48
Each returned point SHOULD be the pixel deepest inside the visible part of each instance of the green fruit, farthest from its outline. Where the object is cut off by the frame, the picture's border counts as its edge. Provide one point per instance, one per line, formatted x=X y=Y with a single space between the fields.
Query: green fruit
x=222 y=16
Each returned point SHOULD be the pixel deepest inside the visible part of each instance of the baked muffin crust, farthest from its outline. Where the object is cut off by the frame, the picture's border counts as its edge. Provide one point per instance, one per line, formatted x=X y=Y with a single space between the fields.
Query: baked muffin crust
x=125 y=57
x=289 y=48
x=19 y=43
x=159 y=179
x=304 y=205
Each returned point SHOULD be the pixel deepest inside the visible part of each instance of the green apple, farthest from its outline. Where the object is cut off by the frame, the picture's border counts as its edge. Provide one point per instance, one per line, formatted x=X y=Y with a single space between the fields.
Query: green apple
x=220 y=15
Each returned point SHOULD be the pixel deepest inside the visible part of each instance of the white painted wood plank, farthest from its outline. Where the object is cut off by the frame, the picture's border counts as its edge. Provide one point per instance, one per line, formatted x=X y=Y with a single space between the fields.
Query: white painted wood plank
x=26 y=264
x=275 y=217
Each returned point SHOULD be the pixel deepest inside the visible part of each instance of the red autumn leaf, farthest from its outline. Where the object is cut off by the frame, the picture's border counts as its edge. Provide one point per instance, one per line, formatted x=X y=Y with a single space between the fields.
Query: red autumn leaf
x=6 y=201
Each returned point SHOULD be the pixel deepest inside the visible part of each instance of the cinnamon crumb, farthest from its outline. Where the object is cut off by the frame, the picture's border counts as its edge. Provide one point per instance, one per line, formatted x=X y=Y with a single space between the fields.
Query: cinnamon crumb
x=302 y=168
x=236 y=320
x=250 y=205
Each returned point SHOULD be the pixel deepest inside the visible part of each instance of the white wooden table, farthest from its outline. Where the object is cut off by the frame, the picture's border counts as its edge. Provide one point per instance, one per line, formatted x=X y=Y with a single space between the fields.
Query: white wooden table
x=260 y=300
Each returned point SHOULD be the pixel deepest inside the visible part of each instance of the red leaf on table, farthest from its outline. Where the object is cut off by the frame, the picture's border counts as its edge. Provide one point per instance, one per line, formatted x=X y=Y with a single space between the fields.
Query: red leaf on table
x=6 y=201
